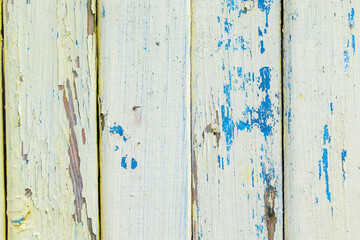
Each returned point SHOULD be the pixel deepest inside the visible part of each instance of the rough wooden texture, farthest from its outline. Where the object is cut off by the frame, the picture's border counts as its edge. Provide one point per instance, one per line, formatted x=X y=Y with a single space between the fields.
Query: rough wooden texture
x=322 y=119
x=51 y=119
x=2 y=177
x=145 y=119
x=236 y=120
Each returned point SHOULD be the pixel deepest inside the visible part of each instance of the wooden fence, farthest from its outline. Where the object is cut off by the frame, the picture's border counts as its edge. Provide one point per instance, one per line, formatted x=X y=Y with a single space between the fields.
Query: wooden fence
x=181 y=119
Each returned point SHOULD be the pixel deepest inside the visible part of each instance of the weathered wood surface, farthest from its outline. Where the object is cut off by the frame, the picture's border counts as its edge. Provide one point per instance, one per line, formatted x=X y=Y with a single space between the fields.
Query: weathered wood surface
x=322 y=119
x=2 y=159
x=236 y=120
x=51 y=119
x=144 y=75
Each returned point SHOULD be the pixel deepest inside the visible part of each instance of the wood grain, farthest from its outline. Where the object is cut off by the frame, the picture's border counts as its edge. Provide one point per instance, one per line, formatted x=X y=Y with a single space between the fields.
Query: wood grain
x=322 y=119
x=52 y=183
x=236 y=120
x=144 y=76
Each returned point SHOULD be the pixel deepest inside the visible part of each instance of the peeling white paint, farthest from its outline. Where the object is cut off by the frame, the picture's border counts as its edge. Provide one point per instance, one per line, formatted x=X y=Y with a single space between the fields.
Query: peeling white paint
x=51 y=120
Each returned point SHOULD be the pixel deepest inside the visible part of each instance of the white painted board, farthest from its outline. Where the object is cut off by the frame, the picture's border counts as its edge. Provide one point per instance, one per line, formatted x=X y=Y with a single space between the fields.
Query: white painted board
x=322 y=167
x=236 y=120
x=144 y=75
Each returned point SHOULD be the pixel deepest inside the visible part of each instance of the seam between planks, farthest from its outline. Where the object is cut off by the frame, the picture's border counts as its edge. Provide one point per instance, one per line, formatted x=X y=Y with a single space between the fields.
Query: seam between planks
x=98 y=111
x=3 y=115
x=192 y=153
x=282 y=111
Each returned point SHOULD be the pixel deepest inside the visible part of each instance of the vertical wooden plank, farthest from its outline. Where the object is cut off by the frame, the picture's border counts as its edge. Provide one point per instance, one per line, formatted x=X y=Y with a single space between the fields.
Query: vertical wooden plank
x=2 y=157
x=51 y=119
x=236 y=102
x=145 y=119
x=322 y=119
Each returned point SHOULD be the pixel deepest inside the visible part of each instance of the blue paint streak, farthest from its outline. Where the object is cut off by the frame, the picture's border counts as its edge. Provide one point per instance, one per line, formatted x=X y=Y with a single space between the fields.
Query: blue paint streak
x=325 y=168
x=326 y=136
x=351 y=17
x=319 y=170
x=353 y=44
x=262 y=49
x=331 y=107
x=228 y=26
x=260 y=32
x=252 y=177
x=259 y=230
x=228 y=127
x=103 y=12
x=343 y=158
x=19 y=221
x=227 y=45
x=123 y=162
x=116 y=148
x=346 y=62
x=133 y=163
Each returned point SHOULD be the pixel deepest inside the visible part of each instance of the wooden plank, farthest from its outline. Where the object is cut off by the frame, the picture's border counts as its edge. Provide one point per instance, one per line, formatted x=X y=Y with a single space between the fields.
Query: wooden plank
x=51 y=119
x=145 y=119
x=322 y=119
x=2 y=158
x=236 y=119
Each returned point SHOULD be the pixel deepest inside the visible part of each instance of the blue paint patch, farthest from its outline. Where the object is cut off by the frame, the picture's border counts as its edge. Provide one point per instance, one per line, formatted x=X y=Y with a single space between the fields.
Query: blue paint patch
x=260 y=32
x=265 y=78
x=325 y=168
x=123 y=162
x=262 y=49
x=116 y=148
x=326 y=136
x=133 y=163
x=261 y=117
x=331 y=107
x=319 y=170
x=19 y=221
x=351 y=18
x=117 y=129
x=346 y=62
x=264 y=6
x=343 y=158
